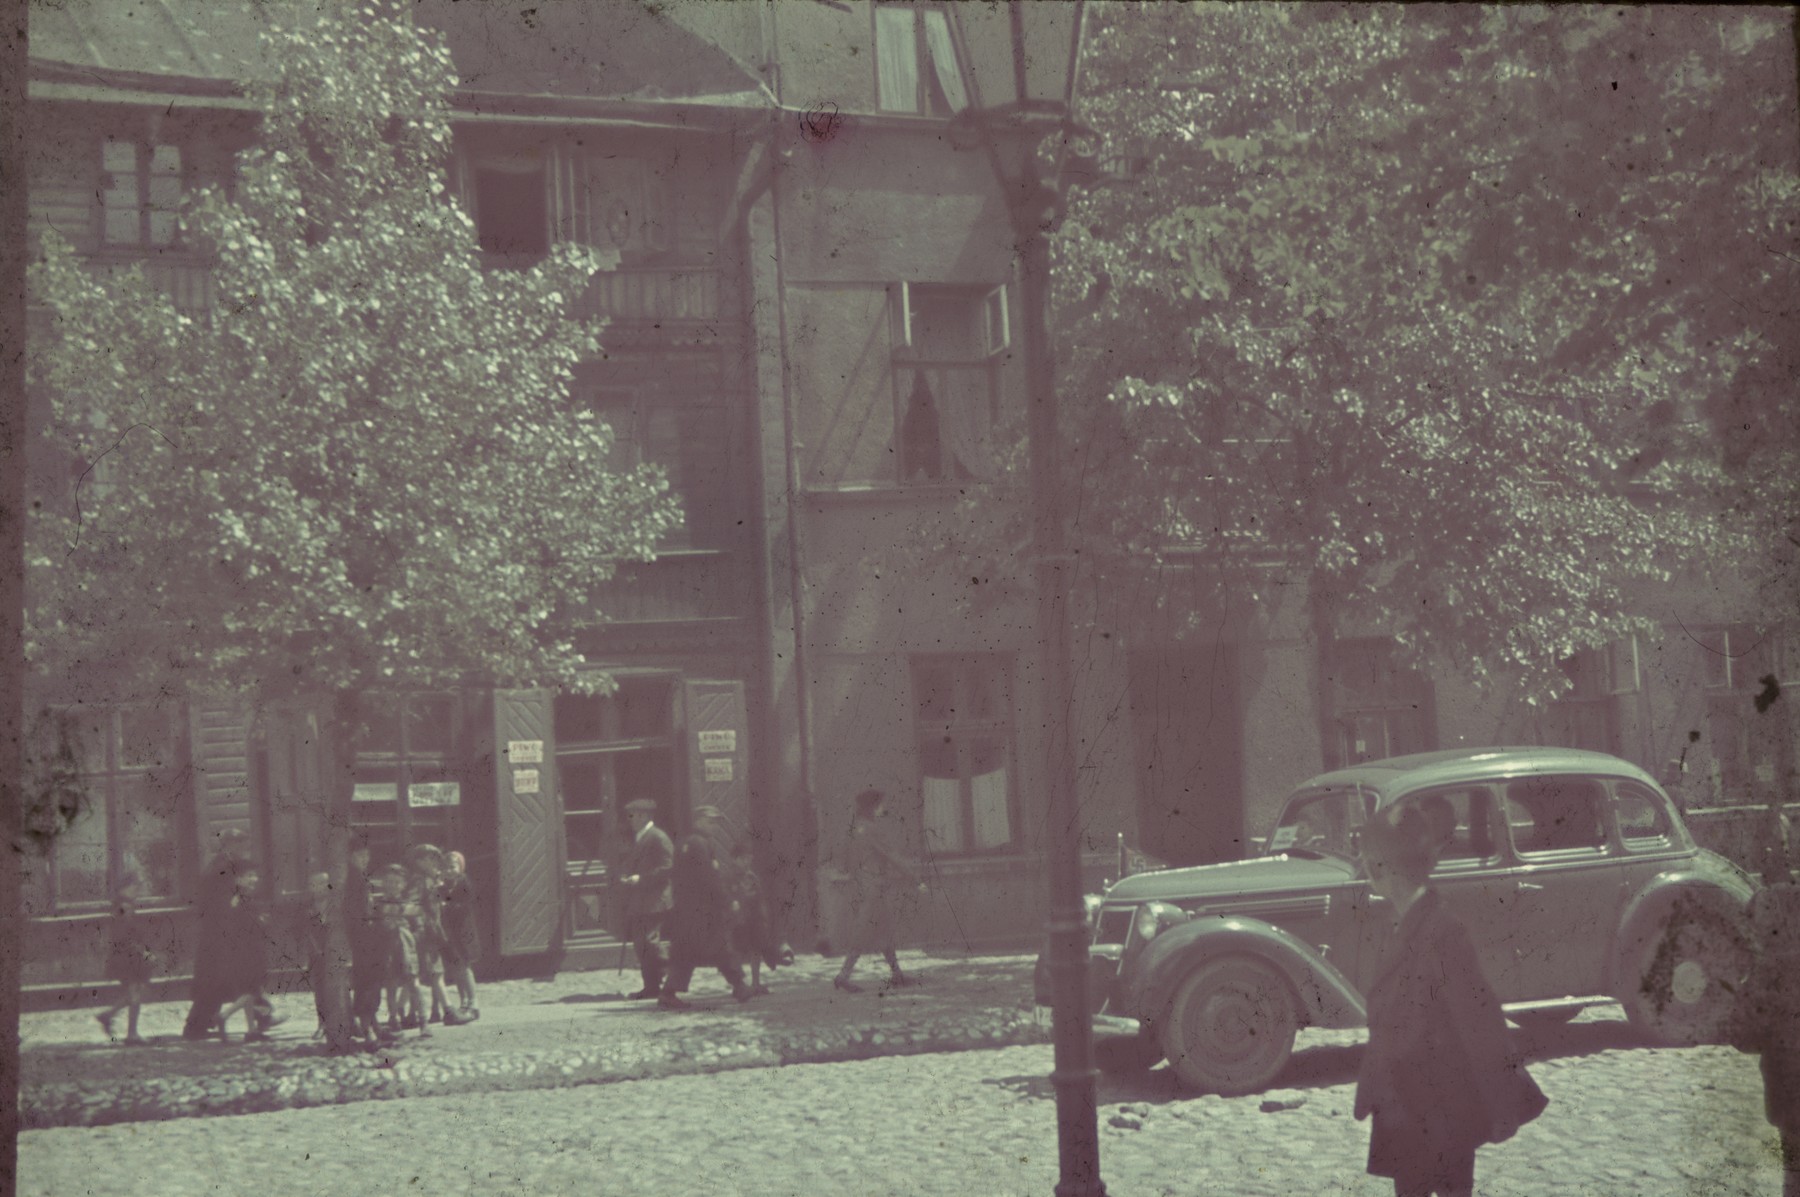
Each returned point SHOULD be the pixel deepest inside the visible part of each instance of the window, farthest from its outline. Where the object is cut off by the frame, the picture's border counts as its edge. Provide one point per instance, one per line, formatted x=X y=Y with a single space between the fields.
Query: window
x=134 y=778
x=1753 y=731
x=140 y=193
x=524 y=199
x=1587 y=716
x=1556 y=814
x=949 y=342
x=916 y=65
x=1461 y=823
x=1381 y=708
x=512 y=205
x=963 y=713
x=407 y=791
x=646 y=429
x=1643 y=817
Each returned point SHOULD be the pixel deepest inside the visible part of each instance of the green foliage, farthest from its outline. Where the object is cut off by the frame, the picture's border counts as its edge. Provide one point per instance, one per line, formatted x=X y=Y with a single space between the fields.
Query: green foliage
x=1420 y=311
x=363 y=469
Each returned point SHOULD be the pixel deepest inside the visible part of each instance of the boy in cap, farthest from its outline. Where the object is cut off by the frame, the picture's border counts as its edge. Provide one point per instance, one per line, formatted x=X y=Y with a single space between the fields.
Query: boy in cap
x=647 y=898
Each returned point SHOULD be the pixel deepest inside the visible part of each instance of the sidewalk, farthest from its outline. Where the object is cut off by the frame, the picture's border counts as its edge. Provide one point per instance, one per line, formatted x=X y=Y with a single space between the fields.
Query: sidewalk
x=578 y=1028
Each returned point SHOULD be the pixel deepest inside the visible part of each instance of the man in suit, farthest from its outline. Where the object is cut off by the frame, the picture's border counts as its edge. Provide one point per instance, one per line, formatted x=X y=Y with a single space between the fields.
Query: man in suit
x=647 y=899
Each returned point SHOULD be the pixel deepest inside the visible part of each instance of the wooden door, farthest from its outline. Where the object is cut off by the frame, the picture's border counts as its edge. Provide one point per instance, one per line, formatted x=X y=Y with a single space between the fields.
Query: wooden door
x=715 y=737
x=529 y=823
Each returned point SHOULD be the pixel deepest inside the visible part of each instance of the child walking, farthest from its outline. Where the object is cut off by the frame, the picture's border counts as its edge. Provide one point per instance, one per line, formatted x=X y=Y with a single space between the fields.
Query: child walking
x=130 y=962
x=396 y=916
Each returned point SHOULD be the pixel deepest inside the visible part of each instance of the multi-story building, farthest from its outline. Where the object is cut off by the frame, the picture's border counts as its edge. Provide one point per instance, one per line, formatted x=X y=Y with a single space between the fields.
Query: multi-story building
x=812 y=328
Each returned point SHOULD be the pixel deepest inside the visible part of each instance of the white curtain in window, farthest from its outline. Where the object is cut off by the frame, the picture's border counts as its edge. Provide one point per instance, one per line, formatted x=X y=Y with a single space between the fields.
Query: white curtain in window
x=965 y=407
x=943 y=816
x=943 y=59
x=993 y=822
x=896 y=59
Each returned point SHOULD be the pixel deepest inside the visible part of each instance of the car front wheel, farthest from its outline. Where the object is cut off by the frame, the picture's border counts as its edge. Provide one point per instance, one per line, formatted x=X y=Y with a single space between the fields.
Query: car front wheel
x=1231 y=1026
x=1687 y=979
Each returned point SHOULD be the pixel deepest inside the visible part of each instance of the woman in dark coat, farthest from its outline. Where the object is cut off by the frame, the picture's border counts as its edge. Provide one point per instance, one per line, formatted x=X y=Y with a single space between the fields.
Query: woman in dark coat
x=700 y=924
x=212 y=941
x=1767 y=1017
x=1437 y=1074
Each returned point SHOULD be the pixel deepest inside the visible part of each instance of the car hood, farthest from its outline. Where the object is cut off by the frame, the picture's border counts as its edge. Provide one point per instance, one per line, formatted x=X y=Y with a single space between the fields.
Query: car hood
x=1262 y=875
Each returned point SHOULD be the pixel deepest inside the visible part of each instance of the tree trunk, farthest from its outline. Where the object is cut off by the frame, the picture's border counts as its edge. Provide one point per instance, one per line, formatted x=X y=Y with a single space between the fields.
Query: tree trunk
x=1320 y=621
x=338 y=775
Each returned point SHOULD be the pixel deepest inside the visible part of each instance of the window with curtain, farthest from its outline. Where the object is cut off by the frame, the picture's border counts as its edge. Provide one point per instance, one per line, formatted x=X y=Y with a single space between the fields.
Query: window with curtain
x=134 y=781
x=1382 y=708
x=140 y=193
x=963 y=715
x=917 y=68
x=949 y=343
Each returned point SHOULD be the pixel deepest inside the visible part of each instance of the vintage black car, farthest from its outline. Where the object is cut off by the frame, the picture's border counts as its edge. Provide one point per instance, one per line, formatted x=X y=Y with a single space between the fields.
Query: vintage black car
x=1572 y=870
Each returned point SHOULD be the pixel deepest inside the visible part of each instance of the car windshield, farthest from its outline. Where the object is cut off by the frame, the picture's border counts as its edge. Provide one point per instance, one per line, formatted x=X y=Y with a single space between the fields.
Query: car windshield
x=1320 y=821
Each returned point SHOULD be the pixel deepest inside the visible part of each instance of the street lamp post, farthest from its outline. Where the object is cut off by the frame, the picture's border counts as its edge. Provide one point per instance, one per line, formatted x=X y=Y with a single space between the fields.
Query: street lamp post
x=1023 y=57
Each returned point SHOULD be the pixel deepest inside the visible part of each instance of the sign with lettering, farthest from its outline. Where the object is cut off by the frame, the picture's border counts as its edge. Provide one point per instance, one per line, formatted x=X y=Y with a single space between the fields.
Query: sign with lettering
x=434 y=793
x=375 y=791
x=718 y=741
x=718 y=768
x=525 y=781
x=525 y=752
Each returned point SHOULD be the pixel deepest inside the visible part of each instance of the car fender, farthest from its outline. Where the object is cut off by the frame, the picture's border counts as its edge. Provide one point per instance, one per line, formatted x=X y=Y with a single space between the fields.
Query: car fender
x=1326 y=999
x=1710 y=885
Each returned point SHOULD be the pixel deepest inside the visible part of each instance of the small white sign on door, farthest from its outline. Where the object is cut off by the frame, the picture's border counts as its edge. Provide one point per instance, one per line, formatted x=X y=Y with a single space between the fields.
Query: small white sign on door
x=525 y=781
x=434 y=793
x=525 y=752
x=718 y=768
x=375 y=791
x=718 y=741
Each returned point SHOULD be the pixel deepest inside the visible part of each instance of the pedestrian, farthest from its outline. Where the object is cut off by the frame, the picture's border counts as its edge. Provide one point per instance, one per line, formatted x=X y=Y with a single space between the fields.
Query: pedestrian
x=462 y=939
x=753 y=933
x=878 y=876
x=425 y=900
x=246 y=968
x=647 y=895
x=1767 y=1014
x=699 y=922
x=368 y=947
x=315 y=933
x=1438 y=1076
x=212 y=913
x=130 y=961
x=400 y=969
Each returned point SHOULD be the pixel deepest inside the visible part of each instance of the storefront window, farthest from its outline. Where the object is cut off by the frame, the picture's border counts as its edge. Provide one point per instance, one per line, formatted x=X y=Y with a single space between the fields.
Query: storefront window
x=407 y=788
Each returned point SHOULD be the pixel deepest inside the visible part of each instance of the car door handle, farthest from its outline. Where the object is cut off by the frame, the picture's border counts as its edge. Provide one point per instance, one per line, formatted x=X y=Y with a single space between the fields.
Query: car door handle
x=1530 y=887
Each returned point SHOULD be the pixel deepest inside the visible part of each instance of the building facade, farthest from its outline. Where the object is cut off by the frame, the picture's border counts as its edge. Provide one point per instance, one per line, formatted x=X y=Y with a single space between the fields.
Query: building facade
x=812 y=329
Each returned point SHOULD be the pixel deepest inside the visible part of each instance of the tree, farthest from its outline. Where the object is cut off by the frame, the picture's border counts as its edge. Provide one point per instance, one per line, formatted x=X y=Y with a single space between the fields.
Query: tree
x=361 y=470
x=1411 y=310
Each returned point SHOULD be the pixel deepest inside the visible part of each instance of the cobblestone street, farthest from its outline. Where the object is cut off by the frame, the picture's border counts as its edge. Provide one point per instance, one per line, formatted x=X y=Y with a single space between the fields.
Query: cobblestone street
x=1623 y=1120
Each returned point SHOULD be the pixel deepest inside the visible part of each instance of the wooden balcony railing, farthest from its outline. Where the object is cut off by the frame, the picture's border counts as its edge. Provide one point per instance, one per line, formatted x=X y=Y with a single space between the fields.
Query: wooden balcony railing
x=678 y=585
x=662 y=294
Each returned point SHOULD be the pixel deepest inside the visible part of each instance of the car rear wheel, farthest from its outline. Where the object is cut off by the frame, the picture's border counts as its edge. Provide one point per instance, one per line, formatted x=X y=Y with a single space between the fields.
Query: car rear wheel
x=1687 y=978
x=1231 y=1026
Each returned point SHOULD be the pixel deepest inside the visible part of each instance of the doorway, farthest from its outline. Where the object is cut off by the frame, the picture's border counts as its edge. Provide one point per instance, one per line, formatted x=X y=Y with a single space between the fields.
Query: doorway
x=1187 y=737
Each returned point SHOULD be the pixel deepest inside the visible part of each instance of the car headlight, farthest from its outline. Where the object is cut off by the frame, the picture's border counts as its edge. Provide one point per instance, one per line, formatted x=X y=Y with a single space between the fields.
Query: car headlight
x=1090 y=908
x=1153 y=917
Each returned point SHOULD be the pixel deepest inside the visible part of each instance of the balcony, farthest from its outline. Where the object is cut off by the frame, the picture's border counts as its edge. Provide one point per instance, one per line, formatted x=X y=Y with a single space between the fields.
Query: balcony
x=681 y=585
x=660 y=294
x=187 y=281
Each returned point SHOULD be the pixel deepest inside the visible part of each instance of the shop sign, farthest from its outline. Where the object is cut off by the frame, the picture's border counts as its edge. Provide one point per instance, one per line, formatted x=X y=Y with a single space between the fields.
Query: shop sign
x=718 y=741
x=525 y=781
x=375 y=791
x=525 y=752
x=718 y=768
x=434 y=793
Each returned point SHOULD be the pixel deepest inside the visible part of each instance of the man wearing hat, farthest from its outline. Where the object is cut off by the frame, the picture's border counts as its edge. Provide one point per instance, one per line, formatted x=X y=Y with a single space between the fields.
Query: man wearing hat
x=647 y=898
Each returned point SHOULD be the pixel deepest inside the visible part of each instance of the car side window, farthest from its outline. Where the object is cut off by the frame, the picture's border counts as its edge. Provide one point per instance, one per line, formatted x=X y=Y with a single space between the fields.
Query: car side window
x=1643 y=815
x=1461 y=823
x=1556 y=814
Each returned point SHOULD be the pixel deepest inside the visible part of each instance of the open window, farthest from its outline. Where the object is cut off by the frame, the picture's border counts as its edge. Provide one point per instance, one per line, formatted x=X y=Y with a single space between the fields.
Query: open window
x=917 y=68
x=949 y=342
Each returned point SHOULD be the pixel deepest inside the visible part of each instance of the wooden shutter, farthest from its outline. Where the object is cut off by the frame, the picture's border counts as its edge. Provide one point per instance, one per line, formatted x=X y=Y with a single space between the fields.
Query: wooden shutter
x=716 y=739
x=297 y=804
x=530 y=823
x=219 y=737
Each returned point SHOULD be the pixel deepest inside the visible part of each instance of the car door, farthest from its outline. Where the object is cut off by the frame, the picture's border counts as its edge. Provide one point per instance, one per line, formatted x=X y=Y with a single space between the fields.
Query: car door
x=1569 y=883
x=1472 y=874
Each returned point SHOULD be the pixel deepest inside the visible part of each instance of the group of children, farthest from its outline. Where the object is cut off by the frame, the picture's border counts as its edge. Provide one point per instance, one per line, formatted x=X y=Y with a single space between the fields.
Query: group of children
x=411 y=928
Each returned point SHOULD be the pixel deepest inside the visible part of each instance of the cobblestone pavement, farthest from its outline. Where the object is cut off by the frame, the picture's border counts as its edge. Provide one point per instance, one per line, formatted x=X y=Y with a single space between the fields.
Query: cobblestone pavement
x=575 y=1028
x=1623 y=1119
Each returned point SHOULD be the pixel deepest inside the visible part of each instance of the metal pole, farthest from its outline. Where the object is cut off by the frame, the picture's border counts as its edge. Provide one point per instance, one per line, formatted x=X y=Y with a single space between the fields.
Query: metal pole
x=1077 y=1121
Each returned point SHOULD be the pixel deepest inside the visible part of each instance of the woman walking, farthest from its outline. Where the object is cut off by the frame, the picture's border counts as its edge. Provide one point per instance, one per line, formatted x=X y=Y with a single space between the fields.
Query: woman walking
x=1437 y=1075
x=878 y=875
x=462 y=940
